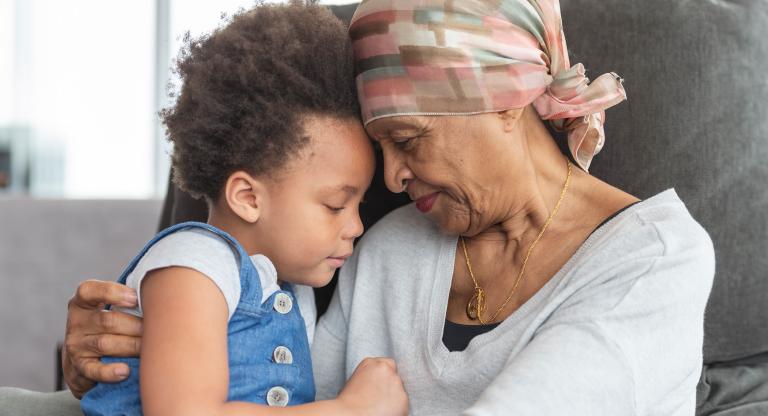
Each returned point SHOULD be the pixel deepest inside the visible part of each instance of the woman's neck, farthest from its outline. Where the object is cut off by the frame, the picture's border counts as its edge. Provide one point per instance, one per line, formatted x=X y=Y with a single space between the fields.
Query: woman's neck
x=530 y=211
x=537 y=186
x=585 y=204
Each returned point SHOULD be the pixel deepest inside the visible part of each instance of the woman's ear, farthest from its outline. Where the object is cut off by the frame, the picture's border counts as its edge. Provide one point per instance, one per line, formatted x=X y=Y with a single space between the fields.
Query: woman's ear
x=510 y=118
x=245 y=196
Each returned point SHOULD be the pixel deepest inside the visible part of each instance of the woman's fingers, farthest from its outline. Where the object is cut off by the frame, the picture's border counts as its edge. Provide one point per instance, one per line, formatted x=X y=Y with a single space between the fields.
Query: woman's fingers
x=92 y=294
x=94 y=369
x=79 y=386
x=116 y=323
x=82 y=365
x=93 y=333
x=111 y=345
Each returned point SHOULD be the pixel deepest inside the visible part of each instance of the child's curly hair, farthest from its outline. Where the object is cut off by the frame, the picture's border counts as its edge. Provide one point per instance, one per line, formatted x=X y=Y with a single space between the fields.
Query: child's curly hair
x=247 y=88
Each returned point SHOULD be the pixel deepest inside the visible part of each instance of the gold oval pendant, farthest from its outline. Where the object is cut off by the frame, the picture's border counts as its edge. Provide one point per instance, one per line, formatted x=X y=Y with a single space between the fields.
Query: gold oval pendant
x=475 y=305
x=472 y=308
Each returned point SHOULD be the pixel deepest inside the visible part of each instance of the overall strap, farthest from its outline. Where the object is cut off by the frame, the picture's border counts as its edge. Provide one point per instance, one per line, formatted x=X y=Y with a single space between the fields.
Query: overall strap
x=247 y=271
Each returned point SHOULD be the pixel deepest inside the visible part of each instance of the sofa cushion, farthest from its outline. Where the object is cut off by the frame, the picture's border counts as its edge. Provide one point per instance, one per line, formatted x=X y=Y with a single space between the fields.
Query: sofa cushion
x=696 y=119
x=736 y=388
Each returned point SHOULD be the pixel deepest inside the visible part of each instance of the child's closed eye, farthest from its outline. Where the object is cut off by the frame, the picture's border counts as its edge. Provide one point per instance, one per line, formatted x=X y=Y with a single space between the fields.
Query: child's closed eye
x=334 y=209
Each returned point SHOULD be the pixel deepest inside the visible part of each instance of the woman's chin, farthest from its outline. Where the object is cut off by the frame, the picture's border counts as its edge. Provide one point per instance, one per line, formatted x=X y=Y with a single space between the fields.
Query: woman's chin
x=447 y=221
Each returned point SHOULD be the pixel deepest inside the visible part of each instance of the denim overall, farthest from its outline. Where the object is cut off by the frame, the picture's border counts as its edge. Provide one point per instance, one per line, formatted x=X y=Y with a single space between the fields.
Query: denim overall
x=269 y=358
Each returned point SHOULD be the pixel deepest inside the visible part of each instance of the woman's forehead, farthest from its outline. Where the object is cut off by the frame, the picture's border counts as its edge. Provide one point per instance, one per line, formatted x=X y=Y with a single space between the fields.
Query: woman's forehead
x=386 y=125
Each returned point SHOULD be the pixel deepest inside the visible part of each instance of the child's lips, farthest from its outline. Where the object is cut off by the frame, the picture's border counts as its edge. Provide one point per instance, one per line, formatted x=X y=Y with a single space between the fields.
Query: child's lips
x=337 y=262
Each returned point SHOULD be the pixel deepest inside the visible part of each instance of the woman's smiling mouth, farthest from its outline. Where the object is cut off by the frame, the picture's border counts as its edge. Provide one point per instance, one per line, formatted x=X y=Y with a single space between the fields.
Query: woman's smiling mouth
x=425 y=203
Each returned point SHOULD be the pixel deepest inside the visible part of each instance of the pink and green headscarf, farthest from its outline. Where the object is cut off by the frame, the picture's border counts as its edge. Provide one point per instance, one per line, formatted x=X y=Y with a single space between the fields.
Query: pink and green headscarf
x=462 y=57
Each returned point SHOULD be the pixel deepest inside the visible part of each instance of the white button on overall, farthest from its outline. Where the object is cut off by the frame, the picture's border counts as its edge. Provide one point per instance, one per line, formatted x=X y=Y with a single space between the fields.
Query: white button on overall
x=282 y=355
x=283 y=303
x=277 y=396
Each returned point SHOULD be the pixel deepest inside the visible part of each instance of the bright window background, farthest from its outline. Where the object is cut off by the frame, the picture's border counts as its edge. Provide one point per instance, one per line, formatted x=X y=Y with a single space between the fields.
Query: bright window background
x=81 y=82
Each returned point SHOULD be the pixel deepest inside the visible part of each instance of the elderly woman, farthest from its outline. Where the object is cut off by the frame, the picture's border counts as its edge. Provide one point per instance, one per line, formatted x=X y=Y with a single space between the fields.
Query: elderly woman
x=516 y=283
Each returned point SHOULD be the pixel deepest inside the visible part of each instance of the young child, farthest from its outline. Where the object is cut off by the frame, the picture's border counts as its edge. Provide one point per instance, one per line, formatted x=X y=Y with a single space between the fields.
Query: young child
x=266 y=129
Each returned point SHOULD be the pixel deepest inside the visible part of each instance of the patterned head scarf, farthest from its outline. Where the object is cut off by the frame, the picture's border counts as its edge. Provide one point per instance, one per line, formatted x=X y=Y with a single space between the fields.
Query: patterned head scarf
x=462 y=57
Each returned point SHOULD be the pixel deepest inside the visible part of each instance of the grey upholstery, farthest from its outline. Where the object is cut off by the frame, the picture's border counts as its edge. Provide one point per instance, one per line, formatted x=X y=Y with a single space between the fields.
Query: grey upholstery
x=46 y=248
x=696 y=119
x=19 y=402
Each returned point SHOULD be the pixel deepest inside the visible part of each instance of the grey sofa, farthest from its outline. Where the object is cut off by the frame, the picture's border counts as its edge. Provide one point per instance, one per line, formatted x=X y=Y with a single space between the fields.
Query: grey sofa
x=696 y=120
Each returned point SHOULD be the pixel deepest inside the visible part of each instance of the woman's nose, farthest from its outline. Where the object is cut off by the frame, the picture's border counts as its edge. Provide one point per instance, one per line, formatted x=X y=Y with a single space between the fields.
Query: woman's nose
x=396 y=171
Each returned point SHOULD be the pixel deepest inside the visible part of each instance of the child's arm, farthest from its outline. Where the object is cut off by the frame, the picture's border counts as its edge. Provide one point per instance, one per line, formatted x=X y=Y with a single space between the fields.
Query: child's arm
x=184 y=367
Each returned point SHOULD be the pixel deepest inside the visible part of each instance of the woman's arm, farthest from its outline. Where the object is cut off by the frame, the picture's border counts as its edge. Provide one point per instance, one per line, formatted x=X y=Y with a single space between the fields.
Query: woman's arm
x=184 y=364
x=329 y=348
x=329 y=351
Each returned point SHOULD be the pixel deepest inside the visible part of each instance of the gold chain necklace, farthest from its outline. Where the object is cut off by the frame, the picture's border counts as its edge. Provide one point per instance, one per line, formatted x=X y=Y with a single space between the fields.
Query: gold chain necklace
x=476 y=304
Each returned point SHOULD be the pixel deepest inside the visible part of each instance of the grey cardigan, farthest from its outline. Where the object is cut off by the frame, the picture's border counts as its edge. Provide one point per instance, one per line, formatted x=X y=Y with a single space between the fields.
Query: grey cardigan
x=617 y=331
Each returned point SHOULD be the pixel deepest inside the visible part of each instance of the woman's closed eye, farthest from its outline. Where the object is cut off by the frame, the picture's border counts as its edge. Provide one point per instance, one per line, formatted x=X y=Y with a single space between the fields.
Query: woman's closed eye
x=405 y=143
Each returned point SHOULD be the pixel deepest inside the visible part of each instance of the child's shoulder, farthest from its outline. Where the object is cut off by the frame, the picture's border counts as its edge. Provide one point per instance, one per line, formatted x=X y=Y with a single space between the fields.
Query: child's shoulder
x=193 y=240
x=198 y=249
x=192 y=247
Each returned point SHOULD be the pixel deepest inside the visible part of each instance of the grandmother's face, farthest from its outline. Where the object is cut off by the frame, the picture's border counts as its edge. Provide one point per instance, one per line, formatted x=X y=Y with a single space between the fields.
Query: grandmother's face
x=454 y=167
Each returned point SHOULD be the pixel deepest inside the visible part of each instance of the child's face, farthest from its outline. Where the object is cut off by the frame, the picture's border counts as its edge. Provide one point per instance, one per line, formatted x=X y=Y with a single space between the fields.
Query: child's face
x=311 y=217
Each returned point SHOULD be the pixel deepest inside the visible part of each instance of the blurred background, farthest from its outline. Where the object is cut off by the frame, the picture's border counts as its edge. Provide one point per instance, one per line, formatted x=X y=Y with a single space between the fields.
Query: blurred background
x=83 y=158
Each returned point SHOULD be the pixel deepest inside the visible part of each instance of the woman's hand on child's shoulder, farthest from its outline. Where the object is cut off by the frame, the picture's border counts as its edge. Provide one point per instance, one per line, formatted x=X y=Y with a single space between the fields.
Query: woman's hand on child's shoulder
x=93 y=332
x=375 y=388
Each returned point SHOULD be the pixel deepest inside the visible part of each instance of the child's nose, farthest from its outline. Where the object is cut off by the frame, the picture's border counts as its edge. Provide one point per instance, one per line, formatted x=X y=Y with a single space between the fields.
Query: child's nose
x=354 y=228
